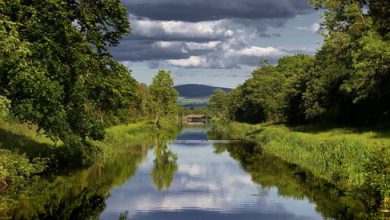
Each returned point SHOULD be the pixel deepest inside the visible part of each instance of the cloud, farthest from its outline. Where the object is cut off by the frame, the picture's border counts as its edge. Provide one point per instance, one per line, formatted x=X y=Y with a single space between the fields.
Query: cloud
x=259 y=51
x=205 y=182
x=193 y=61
x=218 y=34
x=180 y=31
x=314 y=28
x=206 y=10
x=229 y=58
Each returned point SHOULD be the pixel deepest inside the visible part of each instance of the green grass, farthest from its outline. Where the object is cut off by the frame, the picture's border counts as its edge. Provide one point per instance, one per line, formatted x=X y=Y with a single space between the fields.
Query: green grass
x=25 y=150
x=350 y=158
x=24 y=139
x=124 y=137
x=24 y=155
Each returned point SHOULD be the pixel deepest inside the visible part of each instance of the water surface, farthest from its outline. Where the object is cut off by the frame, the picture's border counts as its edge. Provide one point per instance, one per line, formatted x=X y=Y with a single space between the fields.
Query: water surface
x=187 y=178
x=204 y=181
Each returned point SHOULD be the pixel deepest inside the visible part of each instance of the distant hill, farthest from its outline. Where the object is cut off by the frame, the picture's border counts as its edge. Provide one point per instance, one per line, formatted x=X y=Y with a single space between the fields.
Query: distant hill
x=197 y=91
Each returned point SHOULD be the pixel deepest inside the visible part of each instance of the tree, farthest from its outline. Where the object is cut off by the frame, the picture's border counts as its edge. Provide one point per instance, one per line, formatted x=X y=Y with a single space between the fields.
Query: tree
x=296 y=70
x=219 y=104
x=259 y=96
x=55 y=66
x=353 y=62
x=163 y=95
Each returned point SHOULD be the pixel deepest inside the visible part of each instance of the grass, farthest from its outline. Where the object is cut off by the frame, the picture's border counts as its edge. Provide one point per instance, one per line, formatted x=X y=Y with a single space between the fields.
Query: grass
x=26 y=154
x=24 y=139
x=124 y=137
x=25 y=150
x=353 y=159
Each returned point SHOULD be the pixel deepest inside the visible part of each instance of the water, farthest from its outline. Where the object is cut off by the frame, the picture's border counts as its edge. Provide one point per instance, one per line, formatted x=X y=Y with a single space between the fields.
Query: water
x=207 y=183
x=188 y=178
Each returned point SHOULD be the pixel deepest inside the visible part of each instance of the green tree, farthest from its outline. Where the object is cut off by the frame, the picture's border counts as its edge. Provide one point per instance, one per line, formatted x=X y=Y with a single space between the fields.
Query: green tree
x=163 y=95
x=55 y=66
x=219 y=104
x=259 y=96
x=296 y=70
x=351 y=79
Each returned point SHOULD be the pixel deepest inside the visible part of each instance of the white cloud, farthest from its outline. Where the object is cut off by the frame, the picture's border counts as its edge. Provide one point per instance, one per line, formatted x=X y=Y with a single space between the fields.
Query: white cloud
x=227 y=56
x=204 y=181
x=315 y=27
x=258 y=51
x=206 y=29
x=193 y=61
x=202 y=46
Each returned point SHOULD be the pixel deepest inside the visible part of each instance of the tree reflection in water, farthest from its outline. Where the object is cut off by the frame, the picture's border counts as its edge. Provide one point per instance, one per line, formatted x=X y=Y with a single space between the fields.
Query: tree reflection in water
x=292 y=181
x=165 y=166
x=79 y=195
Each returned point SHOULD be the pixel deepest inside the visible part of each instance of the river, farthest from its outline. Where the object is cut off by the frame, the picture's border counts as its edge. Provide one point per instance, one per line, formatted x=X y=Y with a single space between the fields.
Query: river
x=189 y=178
x=208 y=183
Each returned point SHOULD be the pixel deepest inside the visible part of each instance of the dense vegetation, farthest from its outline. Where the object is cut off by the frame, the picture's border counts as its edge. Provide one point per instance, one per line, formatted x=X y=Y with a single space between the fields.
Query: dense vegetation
x=294 y=181
x=78 y=193
x=61 y=90
x=58 y=74
x=355 y=160
x=30 y=196
x=346 y=82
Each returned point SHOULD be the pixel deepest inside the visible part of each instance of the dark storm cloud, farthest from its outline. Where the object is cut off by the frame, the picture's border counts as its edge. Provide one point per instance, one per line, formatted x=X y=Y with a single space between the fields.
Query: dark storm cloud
x=149 y=50
x=204 y=33
x=144 y=50
x=207 y=10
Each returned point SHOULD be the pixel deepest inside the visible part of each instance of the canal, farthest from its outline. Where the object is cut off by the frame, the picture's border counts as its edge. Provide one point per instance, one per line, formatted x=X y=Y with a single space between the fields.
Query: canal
x=188 y=178
x=195 y=178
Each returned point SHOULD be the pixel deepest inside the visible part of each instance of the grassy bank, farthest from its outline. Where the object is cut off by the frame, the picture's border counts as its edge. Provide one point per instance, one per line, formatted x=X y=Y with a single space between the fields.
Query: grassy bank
x=124 y=137
x=26 y=155
x=352 y=159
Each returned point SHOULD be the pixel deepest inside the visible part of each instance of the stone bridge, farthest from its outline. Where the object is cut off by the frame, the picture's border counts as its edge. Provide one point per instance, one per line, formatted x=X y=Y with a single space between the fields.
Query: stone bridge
x=196 y=119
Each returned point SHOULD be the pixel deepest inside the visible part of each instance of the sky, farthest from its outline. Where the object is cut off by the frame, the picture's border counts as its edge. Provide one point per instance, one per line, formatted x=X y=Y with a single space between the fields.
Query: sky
x=214 y=42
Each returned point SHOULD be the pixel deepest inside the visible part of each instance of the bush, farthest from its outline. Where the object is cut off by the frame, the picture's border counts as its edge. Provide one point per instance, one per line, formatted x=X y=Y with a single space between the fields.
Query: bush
x=4 y=108
x=16 y=170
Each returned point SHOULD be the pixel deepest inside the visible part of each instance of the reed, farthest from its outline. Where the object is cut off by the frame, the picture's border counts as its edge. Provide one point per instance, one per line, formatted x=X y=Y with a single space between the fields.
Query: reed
x=350 y=158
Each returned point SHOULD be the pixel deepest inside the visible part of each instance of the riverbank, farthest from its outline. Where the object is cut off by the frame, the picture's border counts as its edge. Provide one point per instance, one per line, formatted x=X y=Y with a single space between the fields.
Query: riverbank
x=28 y=157
x=354 y=160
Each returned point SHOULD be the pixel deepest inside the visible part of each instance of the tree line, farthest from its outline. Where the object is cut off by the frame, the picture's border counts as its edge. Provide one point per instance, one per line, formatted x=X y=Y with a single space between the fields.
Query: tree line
x=346 y=82
x=56 y=70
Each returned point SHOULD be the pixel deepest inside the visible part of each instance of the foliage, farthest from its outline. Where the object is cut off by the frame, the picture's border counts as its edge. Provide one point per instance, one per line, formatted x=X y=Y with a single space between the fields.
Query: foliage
x=255 y=100
x=291 y=180
x=4 y=108
x=194 y=111
x=17 y=169
x=219 y=104
x=351 y=77
x=55 y=66
x=163 y=95
x=346 y=82
x=165 y=166
x=292 y=100
x=76 y=194
x=354 y=160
